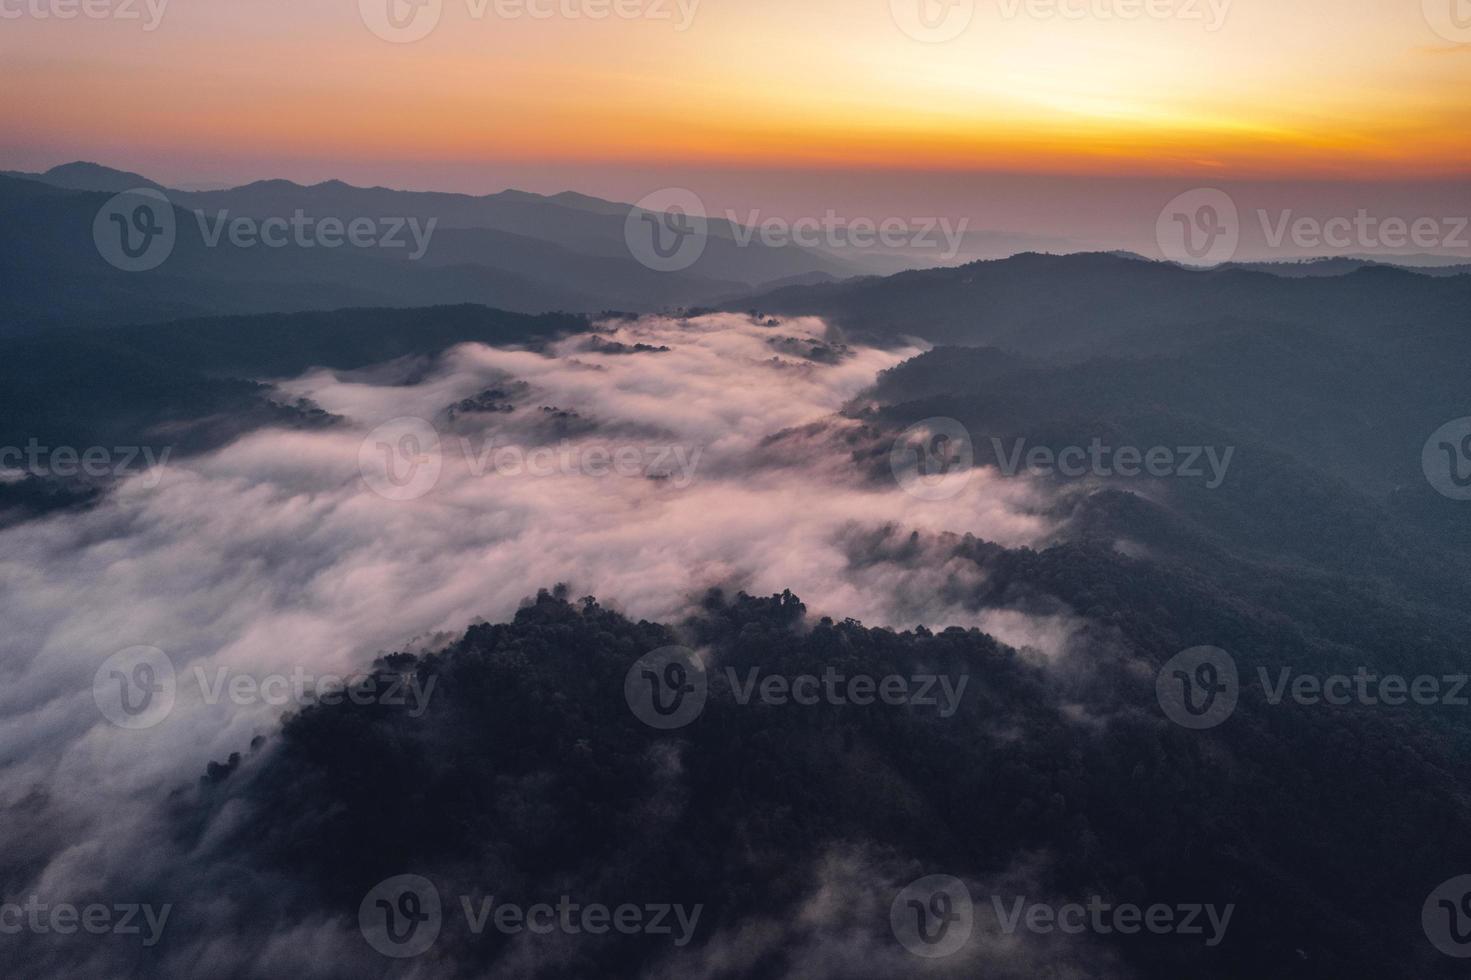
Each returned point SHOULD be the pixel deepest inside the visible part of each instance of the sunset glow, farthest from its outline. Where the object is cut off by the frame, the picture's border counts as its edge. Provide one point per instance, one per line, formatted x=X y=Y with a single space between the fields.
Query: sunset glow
x=1363 y=90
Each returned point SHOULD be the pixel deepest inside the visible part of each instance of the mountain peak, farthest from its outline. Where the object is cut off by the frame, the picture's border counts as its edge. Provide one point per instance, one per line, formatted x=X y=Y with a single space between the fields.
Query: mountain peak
x=274 y=183
x=84 y=175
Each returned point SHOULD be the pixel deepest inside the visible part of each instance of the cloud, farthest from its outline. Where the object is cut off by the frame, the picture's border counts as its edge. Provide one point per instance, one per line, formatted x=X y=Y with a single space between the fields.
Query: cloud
x=274 y=554
x=830 y=933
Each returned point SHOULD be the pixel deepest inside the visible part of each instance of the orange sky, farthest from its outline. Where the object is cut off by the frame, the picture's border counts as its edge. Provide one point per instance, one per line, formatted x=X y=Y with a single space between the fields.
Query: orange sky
x=1363 y=89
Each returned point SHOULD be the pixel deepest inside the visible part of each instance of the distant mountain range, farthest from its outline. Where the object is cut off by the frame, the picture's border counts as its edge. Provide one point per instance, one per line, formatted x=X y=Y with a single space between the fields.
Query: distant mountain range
x=1080 y=331
x=1429 y=265
x=513 y=250
x=1091 y=304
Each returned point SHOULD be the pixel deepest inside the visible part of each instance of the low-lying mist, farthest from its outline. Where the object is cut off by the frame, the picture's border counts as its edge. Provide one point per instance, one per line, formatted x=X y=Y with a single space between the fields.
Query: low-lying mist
x=642 y=464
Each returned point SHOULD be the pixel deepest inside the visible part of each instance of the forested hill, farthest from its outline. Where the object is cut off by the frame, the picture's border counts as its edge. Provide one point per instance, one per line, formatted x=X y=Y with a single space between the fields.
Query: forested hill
x=1084 y=304
x=528 y=776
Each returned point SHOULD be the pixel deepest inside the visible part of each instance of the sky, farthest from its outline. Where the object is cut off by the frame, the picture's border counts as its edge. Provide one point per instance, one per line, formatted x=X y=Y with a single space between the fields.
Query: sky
x=754 y=100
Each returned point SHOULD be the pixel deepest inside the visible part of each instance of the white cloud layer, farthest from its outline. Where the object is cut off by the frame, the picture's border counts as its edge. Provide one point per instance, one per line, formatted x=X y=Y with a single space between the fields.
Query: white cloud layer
x=274 y=553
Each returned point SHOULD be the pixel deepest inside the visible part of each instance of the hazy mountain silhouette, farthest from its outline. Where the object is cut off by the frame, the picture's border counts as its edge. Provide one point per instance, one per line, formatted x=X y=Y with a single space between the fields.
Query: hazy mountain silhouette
x=1342 y=265
x=83 y=176
x=513 y=250
x=1098 y=303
